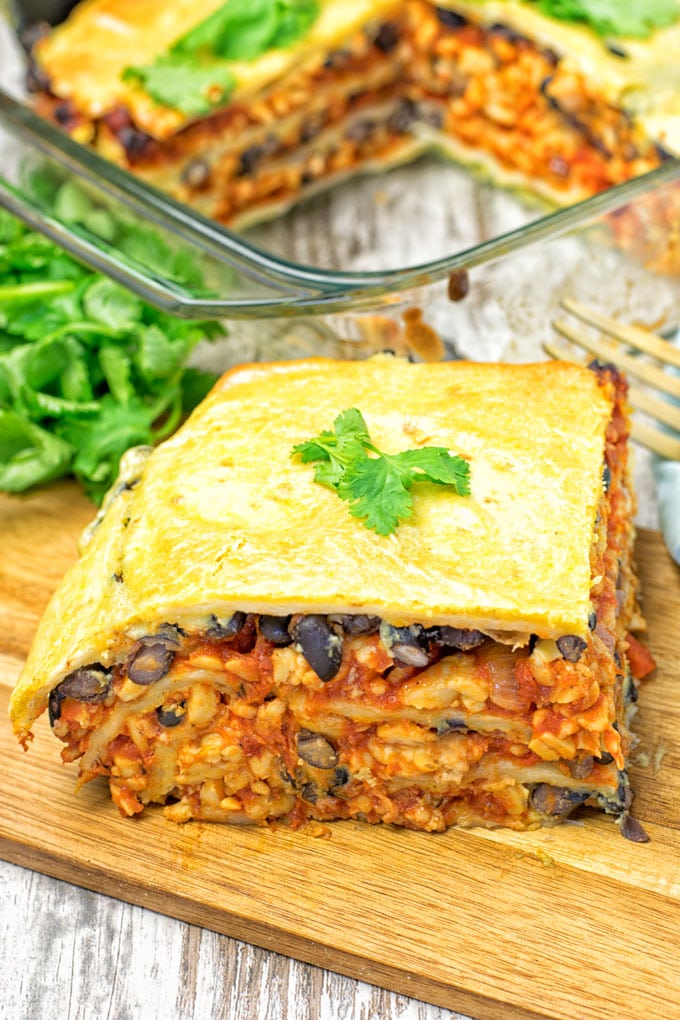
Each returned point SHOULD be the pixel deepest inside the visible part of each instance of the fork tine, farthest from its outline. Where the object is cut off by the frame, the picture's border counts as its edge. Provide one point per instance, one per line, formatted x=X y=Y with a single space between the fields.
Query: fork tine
x=632 y=336
x=658 y=442
x=632 y=366
x=664 y=412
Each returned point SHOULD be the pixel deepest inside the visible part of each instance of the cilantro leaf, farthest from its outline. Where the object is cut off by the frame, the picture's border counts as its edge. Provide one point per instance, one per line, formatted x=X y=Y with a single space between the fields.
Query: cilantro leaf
x=334 y=451
x=377 y=487
x=238 y=30
x=29 y=454
x=110 y=304
x=245 y=29
x=378 y=493
x=615 y=17
x=86 y=368
x=187 y=85
x=435 y=464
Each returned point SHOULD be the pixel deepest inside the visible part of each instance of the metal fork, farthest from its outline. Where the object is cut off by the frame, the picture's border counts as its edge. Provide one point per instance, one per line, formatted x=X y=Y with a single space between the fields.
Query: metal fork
x=615 y=346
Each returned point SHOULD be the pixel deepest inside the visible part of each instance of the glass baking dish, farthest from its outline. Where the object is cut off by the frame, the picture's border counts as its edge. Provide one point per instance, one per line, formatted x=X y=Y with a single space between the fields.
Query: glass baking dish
x=430 y=257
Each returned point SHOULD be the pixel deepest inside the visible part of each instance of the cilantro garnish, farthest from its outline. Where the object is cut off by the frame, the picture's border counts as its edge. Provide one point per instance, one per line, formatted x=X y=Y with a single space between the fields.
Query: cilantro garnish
x=87 y=369
x=378 y=487
x=615 y=17
x=181 y=82
x=195 y=76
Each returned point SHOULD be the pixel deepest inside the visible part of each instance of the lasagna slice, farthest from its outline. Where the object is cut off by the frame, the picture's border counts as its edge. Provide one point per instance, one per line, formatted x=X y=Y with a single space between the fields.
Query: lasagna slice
x=235 y=645
x=242 y=132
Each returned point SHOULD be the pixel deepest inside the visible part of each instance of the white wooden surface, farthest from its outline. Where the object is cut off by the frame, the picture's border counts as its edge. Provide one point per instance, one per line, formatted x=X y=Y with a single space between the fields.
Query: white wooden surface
x=69 y=954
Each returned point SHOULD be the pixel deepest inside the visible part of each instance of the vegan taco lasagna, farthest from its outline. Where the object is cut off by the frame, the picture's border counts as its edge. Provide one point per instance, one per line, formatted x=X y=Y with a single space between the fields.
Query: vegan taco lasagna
x=243 y=640
x=244 y=107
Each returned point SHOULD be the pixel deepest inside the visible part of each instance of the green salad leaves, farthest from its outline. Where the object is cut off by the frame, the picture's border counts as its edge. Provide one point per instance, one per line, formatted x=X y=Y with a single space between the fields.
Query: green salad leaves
x=626 y=18
x=378 y=487
x=86 y=368
x=194 y=75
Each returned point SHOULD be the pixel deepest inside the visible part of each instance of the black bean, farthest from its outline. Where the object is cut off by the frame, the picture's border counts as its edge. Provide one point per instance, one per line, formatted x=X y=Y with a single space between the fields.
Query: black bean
x=409 y=645
x=321 y=646
x=167 y=634
x=592 y=621
x=456 y=637
x=275 y=629
x=361 y=130
x=310 y=792
x=226 y=628
x=632 y=829
x=581 y=768
x=150 y=663
x=341 y=777
x=54 y=705
x=605 y=758
x=403 y=116
x=387 y=37
x=173 y=715
x=316 y=750
x=449 y=18
x=65 y=113
x=617 y=51
x=196 y=173
x=134 y=141
x=571 y=647
x=555 y=800
x=450 y=726
x=356 y=623
x=90 y=684
x=505 y=32
x=606 y=477
x=249 y=160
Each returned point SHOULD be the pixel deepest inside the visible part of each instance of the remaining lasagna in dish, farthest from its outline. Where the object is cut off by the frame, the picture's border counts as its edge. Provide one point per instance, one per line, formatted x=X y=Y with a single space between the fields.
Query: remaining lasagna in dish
x=235 y=644
x=242 y=108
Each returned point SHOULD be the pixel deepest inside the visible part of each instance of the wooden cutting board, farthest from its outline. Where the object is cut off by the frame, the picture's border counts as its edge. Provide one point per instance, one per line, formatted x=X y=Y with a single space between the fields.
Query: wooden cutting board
x=573 y=922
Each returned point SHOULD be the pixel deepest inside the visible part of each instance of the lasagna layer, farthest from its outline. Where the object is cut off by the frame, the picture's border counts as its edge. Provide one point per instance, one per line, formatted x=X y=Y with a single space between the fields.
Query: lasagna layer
x=268 y=712
x=404 y=78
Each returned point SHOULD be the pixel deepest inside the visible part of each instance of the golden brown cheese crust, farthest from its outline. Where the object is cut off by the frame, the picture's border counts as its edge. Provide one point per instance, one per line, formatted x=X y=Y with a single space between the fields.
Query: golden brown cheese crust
x=223 y=519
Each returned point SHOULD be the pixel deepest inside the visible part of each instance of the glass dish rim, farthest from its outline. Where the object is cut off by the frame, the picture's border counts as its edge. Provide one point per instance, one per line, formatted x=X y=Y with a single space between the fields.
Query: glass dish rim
x=297 y=289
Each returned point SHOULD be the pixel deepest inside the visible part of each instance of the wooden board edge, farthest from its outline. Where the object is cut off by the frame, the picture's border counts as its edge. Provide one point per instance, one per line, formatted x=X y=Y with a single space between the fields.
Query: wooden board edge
x=269 y=937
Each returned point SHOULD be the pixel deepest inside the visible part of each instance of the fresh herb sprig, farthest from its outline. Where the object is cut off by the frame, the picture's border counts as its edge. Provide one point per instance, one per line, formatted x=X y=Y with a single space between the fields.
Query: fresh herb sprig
x=86 y=368
x=194 y=75
x=624 y=18
x=377 y=487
